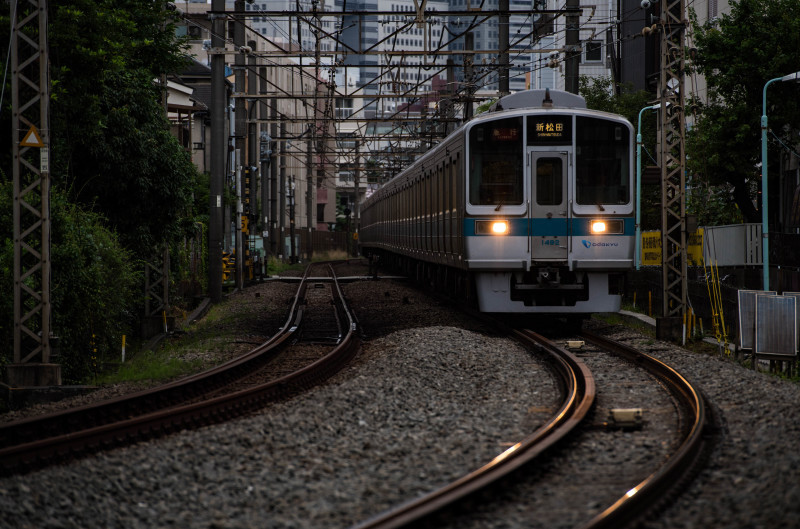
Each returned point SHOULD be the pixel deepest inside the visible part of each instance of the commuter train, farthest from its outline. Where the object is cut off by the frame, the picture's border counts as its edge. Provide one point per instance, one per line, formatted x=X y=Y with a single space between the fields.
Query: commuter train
x=527 y=208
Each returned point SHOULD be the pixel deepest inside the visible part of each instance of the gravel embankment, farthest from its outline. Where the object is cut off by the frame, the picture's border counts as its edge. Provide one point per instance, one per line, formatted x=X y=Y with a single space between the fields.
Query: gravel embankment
x=379 y=433
x=429 y=385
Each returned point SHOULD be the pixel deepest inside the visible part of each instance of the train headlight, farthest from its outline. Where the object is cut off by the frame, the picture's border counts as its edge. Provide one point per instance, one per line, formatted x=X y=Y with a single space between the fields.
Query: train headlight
x=491 y=227
x=607 y=227
x=499 y=227
x=598 y=226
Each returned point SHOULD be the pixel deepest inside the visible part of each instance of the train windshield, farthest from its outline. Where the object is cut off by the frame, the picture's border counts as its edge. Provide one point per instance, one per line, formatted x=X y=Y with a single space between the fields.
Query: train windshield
x=602 y=162
x=496 y=163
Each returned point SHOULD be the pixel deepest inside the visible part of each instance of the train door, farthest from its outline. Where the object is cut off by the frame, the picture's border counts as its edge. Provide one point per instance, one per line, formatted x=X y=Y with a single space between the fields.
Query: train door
x=549 y=205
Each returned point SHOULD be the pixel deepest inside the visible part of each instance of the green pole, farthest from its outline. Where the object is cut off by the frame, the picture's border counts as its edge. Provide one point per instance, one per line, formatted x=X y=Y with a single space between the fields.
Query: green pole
x=764 y=187
x=764 y=203
x=637 y=249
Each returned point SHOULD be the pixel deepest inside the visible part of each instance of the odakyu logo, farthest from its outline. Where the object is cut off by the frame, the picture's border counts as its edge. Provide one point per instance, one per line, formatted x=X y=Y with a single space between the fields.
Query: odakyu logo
x=590 y=244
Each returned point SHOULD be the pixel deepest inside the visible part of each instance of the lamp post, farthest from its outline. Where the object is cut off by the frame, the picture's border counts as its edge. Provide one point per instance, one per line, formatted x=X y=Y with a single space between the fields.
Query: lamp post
x=637 y=249
x=764 y=186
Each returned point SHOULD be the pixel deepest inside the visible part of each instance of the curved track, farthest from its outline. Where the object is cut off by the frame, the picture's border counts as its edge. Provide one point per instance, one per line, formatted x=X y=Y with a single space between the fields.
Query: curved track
x=578 y=397
x=54 y=437
x=669 y=479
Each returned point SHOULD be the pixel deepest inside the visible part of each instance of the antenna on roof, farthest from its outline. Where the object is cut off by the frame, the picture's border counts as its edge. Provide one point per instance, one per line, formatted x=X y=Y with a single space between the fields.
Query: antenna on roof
x=547 y=102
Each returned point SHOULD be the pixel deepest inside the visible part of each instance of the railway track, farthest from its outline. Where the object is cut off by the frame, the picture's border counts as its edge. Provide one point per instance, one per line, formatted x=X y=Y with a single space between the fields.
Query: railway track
x=218 y=394
x=577 y=398
x=693 y=432
x=633 y=503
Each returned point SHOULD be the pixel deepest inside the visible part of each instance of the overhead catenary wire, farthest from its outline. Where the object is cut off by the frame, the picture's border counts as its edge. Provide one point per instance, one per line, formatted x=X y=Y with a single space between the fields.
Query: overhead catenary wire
x=416 y=79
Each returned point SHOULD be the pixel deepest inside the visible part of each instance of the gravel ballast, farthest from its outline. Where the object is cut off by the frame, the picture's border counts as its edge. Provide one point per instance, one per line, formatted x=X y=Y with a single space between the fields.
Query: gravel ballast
x=373 y=437
x=419 y=406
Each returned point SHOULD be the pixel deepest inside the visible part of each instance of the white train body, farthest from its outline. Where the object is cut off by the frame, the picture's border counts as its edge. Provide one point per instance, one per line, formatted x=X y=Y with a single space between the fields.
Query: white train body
x=530 y=206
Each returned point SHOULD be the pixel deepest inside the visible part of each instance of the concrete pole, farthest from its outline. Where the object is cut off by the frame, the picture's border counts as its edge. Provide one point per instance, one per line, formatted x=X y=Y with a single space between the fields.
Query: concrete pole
x=252 y=145
x=469 y=61
x=219 y=152
x=573 y=47
x=274 y=188
x=240 y=134
x=310 y=187
x=502 y=33
x=282 y=194
x=264 y=214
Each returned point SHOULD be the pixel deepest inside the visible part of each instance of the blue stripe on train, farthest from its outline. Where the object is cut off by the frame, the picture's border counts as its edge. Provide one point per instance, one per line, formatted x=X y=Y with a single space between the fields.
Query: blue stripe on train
x=549 y=227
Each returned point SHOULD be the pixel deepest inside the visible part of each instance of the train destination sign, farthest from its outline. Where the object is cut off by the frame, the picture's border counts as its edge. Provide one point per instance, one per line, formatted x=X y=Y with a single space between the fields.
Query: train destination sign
x=549 y=130
x=505 y=134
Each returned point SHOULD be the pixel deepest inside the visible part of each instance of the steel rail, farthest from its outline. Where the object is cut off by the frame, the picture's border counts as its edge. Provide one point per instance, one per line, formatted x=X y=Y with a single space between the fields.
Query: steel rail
x=680 y=466
x=579 y=397
x=66 y=421
x=118 y=430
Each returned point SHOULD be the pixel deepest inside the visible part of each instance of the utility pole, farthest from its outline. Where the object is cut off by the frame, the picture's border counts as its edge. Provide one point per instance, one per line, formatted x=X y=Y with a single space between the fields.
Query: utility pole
x=266 y=170
x=673 y=170
x=469 y=82
x=219 y=152
x=240 y=134
x=274 y=187
x=357 y=199
x=30 y=97
x=251 y=205
x=293 y=247
x=238 y=231
x=572 y=50
x=310 y=187
x=282 y=197
x=312 y=149
x=502 y=23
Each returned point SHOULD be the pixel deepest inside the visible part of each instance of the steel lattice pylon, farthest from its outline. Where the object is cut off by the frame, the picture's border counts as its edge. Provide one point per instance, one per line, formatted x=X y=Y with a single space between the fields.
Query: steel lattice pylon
x=673 y=160
x=30 y=151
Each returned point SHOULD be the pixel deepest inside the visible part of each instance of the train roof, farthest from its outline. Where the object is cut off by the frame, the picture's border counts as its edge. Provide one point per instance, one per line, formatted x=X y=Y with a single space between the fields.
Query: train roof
x=539 y=99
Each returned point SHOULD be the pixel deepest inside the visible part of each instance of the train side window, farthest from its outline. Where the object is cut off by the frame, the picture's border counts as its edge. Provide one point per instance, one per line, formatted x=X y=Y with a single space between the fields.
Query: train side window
x=495 y=163
x=442 y=188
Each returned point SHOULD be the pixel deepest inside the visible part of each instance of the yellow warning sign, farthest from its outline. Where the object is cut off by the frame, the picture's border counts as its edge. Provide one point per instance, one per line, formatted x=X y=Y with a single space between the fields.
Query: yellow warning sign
x=651 y=248
x=32 y=139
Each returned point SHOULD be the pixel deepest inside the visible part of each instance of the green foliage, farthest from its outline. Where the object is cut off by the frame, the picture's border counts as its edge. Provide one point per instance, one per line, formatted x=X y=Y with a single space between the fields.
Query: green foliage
x=159 y=366
x=713 y=205
x=112 y=149
x=483 y=107
x=121 y=182
x=602 y=94
x=343 y=222
x=93 y=285
x=759 y=40
x=374 y=171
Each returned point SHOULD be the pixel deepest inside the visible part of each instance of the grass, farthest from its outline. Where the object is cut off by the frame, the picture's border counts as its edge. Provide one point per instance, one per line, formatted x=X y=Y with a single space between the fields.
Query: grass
x=156 y=366
x=178 y=356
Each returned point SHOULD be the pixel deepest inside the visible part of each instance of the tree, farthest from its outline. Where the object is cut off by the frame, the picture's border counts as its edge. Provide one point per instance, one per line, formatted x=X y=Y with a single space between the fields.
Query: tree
x=112 y=150
x=121 y=182
x=600 y=95
x=94 y=285
x=758 y=41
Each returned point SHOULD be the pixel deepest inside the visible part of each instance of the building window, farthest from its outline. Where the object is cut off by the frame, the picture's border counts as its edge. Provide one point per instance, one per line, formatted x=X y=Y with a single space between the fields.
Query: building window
x=594 y=51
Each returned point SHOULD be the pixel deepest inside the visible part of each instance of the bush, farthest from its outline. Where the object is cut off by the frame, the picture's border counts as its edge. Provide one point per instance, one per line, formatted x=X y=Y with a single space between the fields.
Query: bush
x=94 y=286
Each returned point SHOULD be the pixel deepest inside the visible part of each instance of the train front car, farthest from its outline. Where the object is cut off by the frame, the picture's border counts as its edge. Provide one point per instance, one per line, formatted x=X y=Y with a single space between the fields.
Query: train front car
x=549 y=217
